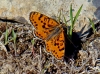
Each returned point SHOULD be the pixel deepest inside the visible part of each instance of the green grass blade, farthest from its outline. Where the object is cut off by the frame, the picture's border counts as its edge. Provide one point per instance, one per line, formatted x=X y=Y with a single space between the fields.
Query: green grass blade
x=71 y=14
x=59 y=16
x=77 y=14
x=32 y=41
x=6 y=36
x=71 y=18
x=65 y=21
x=14 y=36
x=73 y=21
x=92 y=25
x=14 y=39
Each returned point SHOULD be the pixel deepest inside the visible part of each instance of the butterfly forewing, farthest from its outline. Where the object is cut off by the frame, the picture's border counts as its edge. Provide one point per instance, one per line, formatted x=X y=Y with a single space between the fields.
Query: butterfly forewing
x=43 y=24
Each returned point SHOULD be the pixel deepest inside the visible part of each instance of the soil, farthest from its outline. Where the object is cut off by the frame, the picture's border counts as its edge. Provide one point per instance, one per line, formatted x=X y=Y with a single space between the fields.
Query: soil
x=23 y=57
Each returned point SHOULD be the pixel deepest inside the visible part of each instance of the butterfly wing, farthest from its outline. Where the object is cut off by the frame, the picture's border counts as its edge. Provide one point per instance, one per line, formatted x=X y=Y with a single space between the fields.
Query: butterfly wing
x=44 y=28
x=43 y=24
x=56 y=45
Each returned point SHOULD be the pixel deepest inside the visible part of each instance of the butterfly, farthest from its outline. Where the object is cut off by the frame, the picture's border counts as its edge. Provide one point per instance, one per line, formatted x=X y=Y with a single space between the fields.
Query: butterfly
x=51 y=32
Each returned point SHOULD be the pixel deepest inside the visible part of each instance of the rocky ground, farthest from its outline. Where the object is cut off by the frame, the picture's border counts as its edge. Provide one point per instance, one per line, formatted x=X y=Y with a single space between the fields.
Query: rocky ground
x=24 y=58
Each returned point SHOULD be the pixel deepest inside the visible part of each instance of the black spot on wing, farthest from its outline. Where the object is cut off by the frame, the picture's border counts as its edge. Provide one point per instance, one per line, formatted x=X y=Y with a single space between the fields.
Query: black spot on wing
x=41 y=15
x=61 y=49
x=41 y=21
x=36 y=24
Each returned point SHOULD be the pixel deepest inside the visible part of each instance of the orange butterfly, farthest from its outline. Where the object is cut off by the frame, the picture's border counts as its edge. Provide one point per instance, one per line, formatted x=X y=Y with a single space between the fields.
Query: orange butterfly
x=51 y=32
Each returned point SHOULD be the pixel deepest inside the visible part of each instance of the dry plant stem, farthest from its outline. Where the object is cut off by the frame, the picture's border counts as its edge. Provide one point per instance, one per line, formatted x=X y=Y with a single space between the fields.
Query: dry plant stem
x=40 y=62
x=15 y=49
x=72 y=67
x=2 y=46
x=83 y=65
x=2 y=37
